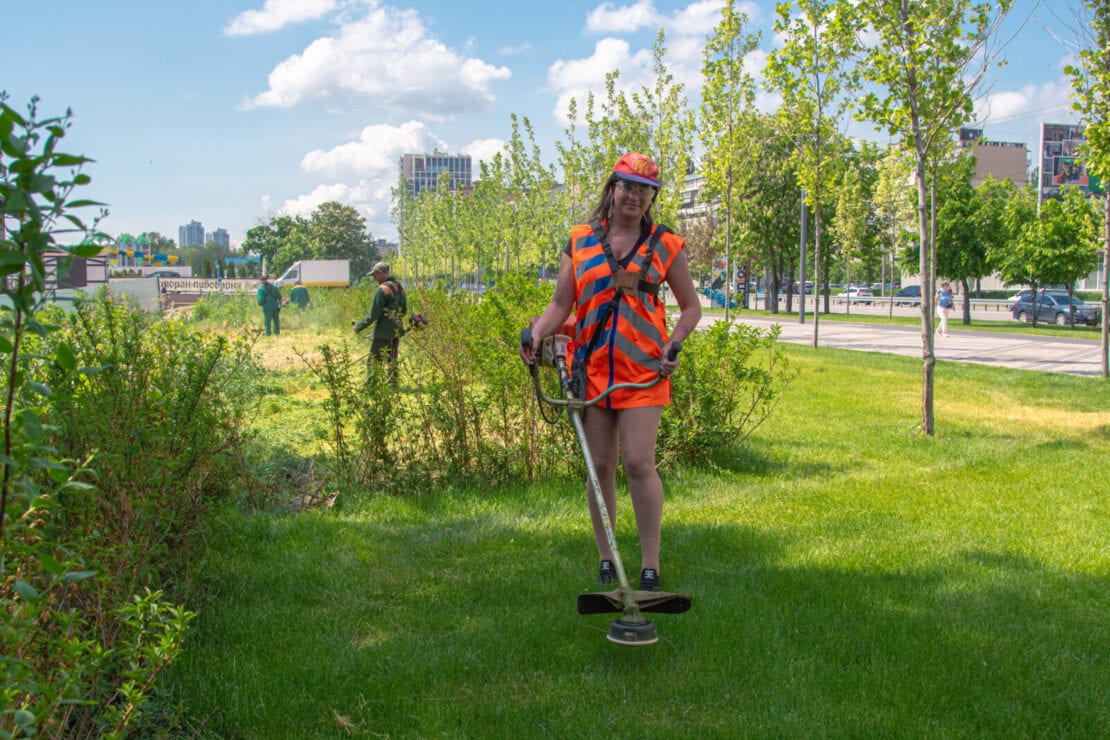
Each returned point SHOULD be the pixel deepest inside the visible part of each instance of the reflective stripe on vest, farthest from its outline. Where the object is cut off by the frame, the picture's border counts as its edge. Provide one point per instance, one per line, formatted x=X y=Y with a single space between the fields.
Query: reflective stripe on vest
x=634 y=334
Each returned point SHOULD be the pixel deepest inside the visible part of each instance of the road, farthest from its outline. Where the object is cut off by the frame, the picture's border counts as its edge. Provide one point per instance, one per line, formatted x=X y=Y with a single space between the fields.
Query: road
x=1048 y=354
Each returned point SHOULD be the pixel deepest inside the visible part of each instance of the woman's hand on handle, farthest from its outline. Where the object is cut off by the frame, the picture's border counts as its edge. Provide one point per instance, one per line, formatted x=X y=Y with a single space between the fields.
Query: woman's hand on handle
x=668 y=363
x=527 y=347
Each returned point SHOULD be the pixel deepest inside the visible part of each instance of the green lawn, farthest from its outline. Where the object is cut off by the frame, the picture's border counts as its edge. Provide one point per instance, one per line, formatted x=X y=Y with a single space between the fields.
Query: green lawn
x=849 y=578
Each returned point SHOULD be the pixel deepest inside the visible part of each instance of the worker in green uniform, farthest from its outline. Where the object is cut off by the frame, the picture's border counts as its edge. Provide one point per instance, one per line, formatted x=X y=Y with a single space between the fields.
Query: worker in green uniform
x=299 y=296
x=269 y=297
x=387 y=314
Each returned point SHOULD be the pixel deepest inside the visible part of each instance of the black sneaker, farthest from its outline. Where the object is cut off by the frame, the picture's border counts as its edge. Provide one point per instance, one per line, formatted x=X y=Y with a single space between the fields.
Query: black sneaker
x=607 y=574
x=649 y=579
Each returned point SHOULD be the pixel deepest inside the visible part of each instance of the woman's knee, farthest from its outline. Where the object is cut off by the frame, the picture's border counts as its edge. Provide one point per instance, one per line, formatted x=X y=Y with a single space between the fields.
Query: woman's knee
x=640 y=467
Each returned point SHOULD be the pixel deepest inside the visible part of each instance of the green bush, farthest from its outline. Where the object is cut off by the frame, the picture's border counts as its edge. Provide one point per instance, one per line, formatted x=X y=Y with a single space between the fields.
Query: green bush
x=116 y=433
x=464 y=412
x=729 y=382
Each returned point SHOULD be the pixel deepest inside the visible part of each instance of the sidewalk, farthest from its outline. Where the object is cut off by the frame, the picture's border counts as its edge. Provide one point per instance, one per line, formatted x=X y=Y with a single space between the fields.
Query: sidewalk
x=1047 y=354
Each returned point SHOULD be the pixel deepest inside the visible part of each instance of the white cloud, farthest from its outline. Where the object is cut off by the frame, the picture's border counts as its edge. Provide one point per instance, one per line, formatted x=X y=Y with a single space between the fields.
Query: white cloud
x=696 y=19
x=366 y=171
x=276 y=14
x=386 y=60
x=578 y=77
x=1046 y=101
x=362 y=197
x=686 y=29
x=483 y=150
x=700 y=18
x=606 y=18
x=375 y=154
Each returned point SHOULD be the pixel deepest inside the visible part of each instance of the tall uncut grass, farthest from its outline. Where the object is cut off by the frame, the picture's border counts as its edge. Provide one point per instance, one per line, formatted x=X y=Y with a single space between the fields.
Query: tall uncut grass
x=849 y=578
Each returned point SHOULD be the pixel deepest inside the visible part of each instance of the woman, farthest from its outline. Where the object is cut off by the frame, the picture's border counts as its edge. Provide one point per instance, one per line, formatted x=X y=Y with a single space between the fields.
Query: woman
x=610 y=274
x=944 y=303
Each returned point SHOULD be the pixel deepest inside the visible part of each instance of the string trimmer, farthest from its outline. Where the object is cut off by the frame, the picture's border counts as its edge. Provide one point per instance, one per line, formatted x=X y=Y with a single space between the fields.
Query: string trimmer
x=631 y=628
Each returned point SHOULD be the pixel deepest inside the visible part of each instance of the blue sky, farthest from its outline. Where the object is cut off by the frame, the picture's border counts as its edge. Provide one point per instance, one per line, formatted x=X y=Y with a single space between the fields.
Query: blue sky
x=231 y=111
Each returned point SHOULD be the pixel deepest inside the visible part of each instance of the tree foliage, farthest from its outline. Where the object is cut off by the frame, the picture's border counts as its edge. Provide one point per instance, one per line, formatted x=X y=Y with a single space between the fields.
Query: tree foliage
x=81 y=647
x=812 y=72
x=728 y=95
x=1091 y=83
x=333 y=231
x=924 y=58
x=1057 y=247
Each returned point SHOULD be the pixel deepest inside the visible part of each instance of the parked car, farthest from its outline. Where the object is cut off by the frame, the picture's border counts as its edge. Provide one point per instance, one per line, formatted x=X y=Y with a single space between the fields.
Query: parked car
x=856 y=294
x=164 y=274
x=1019 y=296
x=1023 y=295
x=1055 y=307
x=909 y=295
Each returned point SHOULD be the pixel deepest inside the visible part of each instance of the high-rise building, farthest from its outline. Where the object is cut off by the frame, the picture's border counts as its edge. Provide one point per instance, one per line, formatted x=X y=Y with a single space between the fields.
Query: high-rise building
x=191 y=235
x=220 y=237
x=422 y=171
x=1002 y=160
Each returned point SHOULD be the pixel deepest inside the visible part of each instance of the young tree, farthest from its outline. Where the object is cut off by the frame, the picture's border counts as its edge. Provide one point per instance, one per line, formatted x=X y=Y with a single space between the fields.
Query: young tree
x=849 y=223
x=768 y=202
x=727 y=99
x=1091 y=83
x=811 y=71
x=1060 y=245
x=926 y=57
x=894 y=207
x=968 y=225
x=654 y=120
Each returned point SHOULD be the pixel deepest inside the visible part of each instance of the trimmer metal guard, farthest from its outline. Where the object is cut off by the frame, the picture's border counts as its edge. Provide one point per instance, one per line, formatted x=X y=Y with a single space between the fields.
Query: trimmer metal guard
x=647 y=601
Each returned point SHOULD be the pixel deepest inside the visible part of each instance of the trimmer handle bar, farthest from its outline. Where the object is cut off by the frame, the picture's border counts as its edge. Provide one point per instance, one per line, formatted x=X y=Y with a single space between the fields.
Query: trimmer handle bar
x=557 y=358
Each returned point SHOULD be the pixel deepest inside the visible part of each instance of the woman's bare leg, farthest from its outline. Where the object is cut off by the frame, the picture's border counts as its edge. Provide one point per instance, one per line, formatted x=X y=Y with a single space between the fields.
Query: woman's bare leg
x=639 y=429
x=601 y=434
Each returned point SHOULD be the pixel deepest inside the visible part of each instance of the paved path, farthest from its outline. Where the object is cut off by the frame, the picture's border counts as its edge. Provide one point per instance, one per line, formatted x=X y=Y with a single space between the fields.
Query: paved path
x=1049 y=354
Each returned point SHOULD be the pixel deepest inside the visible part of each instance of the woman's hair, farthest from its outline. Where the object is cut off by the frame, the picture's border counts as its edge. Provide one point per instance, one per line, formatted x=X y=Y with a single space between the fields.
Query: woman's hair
x=945 y=285
x=605 y=204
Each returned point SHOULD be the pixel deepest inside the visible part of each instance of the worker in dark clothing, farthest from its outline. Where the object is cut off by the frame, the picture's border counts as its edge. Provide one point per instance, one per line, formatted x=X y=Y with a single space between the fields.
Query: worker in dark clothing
x=387 y=314
x=269 y=297
x=299 y=296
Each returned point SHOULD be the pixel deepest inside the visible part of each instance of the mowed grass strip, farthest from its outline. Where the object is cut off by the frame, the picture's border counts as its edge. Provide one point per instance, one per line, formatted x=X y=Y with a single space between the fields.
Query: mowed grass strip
x=849 y=578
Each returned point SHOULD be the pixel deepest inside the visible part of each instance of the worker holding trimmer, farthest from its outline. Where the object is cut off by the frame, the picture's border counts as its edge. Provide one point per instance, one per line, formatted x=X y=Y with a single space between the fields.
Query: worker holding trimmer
x=610 y=275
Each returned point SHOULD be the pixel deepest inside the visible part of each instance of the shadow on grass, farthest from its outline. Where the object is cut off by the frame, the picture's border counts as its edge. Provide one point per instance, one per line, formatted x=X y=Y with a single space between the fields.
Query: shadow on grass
x=462 y=621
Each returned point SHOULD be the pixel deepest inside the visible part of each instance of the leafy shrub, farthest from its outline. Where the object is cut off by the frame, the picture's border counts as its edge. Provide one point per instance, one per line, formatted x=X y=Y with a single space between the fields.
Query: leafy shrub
x=146 y=413
x=465 y=411
x=729 y=382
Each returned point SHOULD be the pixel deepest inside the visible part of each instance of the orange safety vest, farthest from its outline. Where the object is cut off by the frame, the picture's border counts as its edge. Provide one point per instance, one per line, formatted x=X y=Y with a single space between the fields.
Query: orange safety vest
x=635 y=330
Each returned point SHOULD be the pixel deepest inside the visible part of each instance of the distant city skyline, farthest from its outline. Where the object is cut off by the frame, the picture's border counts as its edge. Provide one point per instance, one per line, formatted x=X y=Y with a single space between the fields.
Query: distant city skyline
x=274 y=107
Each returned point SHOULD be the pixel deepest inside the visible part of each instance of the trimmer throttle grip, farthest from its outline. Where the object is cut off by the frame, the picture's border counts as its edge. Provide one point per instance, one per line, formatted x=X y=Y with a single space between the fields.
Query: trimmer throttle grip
x=676 y=347
x=526 y=341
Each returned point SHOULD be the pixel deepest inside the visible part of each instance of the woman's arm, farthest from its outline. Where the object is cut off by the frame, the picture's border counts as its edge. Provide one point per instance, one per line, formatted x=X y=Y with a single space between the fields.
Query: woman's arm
x=682 y=285
x=556 y=312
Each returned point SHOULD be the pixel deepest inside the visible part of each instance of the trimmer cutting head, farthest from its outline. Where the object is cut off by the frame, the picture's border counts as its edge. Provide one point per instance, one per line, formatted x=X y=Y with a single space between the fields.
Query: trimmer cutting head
x=634 y=635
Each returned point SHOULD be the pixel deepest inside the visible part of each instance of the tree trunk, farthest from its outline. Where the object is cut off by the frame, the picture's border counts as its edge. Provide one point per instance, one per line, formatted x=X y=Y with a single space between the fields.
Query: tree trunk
x=928 y=291
x=967 y=301
x=1106 y=293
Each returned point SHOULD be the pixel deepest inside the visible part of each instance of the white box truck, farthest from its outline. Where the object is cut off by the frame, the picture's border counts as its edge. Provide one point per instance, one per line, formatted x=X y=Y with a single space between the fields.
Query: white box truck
x=317 y=273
